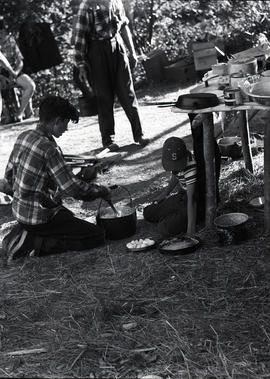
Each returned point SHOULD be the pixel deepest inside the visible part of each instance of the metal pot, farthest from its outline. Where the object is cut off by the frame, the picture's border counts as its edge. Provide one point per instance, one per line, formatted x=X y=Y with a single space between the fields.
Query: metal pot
x=247 y=66
x=88 y=106
x=121 y=226
x=231 y=228
x=230 y=147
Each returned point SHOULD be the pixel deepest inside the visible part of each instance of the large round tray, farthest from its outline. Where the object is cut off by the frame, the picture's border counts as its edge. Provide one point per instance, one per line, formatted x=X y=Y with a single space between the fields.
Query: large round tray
x=173 y=246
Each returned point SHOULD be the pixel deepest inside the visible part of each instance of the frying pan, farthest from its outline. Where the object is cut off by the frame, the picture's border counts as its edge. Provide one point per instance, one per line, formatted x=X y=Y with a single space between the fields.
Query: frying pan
x=190 y=101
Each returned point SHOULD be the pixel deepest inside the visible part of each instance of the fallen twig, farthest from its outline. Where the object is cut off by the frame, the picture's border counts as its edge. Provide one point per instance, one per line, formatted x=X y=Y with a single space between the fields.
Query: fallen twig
x=27 y=351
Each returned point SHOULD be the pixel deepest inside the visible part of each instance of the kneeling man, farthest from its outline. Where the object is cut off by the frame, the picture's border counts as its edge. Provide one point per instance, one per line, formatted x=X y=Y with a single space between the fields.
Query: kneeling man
x=39 y=177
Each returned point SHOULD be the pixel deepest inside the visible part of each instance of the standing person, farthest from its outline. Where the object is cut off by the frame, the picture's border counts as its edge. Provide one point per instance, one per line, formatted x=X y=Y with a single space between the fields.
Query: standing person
x=10 y=49
x=100 y=54
x=4 y=81
x=38 y=175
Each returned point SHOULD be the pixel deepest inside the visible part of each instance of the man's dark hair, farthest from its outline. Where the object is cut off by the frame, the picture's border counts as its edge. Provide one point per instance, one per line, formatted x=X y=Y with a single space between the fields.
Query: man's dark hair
x=52 y=107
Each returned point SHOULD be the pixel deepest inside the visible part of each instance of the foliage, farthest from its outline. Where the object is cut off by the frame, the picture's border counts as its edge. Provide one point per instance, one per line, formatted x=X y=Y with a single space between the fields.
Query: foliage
x=170 y=25
x=177 y=23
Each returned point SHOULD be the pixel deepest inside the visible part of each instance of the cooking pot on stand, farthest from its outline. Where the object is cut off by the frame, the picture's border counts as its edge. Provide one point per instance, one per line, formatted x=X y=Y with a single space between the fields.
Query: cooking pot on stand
x=120 y=225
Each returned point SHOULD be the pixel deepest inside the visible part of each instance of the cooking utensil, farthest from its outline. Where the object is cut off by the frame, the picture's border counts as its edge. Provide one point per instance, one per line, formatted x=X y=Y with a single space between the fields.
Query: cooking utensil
x=257 y=202
x=179 y=246
x=230 y=147
x=121 y=226
x=197 y=101
x=231 y=228
x=258 y=92
x=113 y=207
x=246 y=65
x=80 y=160
x=231 y=220
x=88 y=106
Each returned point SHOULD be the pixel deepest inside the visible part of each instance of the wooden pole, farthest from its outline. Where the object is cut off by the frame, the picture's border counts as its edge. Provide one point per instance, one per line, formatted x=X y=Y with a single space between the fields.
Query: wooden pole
x=267 y=179
x=245 y=137
x=210 y=173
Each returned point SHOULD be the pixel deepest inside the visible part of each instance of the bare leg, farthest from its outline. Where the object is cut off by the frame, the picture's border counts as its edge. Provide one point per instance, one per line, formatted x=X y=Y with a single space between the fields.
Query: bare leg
x=27 y=85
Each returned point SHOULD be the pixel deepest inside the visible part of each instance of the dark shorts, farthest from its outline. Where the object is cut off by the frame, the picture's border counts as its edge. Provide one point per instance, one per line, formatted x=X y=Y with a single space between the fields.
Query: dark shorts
x=170 y=215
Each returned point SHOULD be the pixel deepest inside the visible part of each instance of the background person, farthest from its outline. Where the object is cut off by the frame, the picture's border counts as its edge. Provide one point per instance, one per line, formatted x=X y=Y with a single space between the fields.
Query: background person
x=11 y=51
x=4 y=81
x=103 y=63
x=39 y=177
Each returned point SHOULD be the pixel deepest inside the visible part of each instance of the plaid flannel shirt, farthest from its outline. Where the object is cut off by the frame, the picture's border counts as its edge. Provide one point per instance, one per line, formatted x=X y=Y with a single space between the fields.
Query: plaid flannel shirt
x=39 y=176
x=97 y=20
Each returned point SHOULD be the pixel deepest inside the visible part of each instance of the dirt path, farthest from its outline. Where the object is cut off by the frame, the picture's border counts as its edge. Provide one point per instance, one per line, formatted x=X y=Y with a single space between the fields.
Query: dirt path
x=138 y=165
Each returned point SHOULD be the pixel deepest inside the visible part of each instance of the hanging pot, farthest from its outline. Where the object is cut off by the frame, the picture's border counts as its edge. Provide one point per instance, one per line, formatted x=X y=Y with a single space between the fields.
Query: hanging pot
x=118 y=226
x=88 y=106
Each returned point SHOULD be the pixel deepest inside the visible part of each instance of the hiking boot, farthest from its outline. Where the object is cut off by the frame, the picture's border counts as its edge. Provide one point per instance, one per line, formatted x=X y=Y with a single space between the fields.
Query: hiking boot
x=112 y=147
x=14 y=243
x=143 y=141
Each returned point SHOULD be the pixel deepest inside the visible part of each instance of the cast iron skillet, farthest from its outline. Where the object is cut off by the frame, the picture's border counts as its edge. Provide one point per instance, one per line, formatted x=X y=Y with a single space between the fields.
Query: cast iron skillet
x=197 y=101
x=190 y=101
x=164 y=245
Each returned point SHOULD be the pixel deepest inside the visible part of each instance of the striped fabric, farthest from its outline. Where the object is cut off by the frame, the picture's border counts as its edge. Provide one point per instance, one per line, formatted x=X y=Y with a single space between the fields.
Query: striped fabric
x=39 y=176
x=97 y=20
x=189 y=175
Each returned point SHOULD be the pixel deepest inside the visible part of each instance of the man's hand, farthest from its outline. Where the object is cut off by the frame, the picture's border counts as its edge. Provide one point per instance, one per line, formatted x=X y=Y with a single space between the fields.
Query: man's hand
x=105 y=193
x=83 y=77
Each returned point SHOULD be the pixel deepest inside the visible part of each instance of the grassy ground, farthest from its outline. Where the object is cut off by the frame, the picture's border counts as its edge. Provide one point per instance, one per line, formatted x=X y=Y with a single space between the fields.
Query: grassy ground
x=109 y=313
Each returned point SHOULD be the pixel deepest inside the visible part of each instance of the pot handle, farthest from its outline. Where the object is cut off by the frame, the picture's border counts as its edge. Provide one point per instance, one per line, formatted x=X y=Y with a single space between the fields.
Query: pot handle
x=113 y=187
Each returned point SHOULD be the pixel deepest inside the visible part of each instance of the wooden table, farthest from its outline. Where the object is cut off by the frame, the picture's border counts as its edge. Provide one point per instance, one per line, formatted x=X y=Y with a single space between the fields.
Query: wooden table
x=209 y=156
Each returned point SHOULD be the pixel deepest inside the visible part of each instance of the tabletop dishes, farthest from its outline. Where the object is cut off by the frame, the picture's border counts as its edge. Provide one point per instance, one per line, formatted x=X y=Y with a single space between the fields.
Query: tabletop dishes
x=258 y=92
